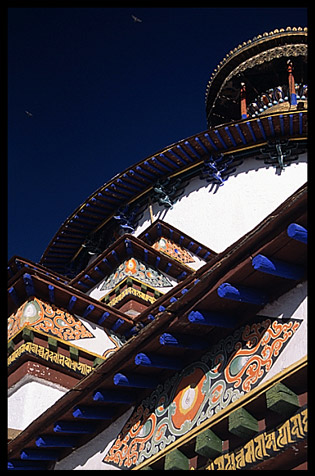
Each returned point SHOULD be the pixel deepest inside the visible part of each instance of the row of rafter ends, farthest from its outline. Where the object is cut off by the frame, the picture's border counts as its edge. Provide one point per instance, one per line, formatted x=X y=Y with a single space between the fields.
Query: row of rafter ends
x=74 y=304
x=279 y=398
x=103 y=204
x=85 y=416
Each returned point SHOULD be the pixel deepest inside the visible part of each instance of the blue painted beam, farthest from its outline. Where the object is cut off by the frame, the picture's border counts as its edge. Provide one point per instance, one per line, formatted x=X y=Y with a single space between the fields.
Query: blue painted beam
x=27 y=465
x=242 y=294
x=240 y=133
x=190 y=245
x=51 y=291
x=261 y=128
x=199 y=142
x=39 y=455
x=217 y=133
x=84 y=284
x=178 y=157
x=281 y=124
x=207 y=255
x=133 y=380
x=148 y=238
x=181 y=276
x=145 y=255
x=117 y=324
x=161 y=164
x=227 y=130
x=159 y=229
x=88 y=310
x=109 y=195
x=103 y=317
x=14 y=296
x=92 y=413
x=213 y=319
x=144 y=171
x=28 y=284
x=170 y=161
x=183 y=341
x=53 y=441
x=103 y=197
x=129 y=247
x=88 y=277
x=75 y=427
x=114 y=253
x=277 y=267
x=271 y=125
x=128 y=185
x=297 y=232
x=152 y=167
x=157 y=261
x=139 y=177
x=168 y=267
x=251 y=131
x=291 y=123
x=157 y=361
x=131 y=332
x=99 y=271
x=113 y=396
x=300 y=123
x=105 y=261
x=71 y=303
x=192 y=149
x=185 y=153
x=208 y=138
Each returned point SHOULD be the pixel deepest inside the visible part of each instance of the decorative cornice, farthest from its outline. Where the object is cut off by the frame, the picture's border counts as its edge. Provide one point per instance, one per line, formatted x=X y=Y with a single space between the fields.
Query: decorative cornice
x=182 y=157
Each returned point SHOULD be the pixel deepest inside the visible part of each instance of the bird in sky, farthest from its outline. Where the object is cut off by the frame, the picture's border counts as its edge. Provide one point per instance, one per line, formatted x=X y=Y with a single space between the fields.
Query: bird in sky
x=29 y=114
x=136 y=19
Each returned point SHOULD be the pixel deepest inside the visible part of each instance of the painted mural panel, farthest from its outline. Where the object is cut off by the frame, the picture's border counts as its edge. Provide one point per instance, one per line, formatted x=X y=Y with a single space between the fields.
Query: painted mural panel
x=47 y=318
x=137 y=269
x=231 y=368
x=168 y=247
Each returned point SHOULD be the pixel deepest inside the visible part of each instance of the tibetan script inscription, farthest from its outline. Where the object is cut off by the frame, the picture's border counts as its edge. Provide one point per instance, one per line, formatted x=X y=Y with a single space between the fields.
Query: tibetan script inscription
x=265 y=445
x=49 y=355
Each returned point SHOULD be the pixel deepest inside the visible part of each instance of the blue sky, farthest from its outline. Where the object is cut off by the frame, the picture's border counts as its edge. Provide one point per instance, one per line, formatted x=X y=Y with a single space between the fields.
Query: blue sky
x=104 y=92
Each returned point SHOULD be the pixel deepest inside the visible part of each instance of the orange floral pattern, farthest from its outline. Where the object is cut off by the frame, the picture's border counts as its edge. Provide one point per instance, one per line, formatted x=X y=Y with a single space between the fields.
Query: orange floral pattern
x=137 y=269
x=47 y=318
x=231 y=368
x=168 y=247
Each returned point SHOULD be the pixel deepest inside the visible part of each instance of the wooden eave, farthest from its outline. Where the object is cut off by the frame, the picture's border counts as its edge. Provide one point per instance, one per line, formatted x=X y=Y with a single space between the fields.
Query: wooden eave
x=184 y=155
x=126 y=247
x=17 y=262
x=232 y=265
x=62 y=296
x=160 y=228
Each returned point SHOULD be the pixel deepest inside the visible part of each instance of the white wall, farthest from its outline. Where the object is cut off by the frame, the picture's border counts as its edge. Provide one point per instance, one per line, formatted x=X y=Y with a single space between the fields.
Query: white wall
x=29 y=398
x=291 y=304
x=219 y=216
x=97 y=344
